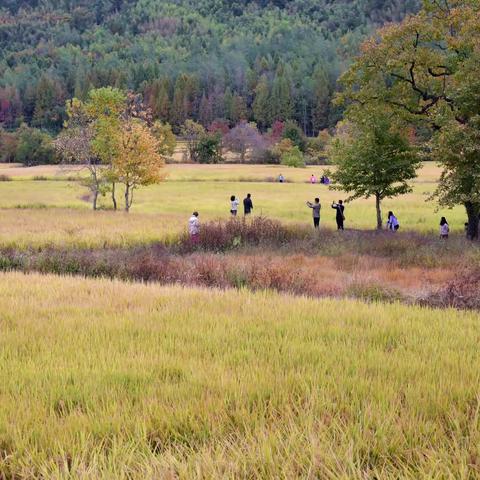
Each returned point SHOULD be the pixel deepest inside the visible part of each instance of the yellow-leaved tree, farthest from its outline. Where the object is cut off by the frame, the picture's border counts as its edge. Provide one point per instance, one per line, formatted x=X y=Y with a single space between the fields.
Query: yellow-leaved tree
x=137 y=160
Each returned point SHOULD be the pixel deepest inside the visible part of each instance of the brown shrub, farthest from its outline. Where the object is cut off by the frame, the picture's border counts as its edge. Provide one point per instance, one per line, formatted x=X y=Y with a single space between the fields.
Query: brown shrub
x=462 y=292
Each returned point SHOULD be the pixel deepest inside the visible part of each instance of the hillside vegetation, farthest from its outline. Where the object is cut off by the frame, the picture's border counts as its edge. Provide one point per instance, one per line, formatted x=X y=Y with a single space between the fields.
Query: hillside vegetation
x=206 y=59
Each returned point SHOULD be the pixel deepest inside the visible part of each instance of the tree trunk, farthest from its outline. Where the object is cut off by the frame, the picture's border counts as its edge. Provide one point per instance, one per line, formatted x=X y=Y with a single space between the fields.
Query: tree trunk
x=95 y=198
x=379 y=211
x=127 y=197
x=114 y=200
x=473 y=212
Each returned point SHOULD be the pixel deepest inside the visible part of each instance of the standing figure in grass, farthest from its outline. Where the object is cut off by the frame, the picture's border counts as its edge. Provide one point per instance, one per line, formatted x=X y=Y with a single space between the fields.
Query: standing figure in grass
x=194 y=228
x=444 y=228
x=340 y=215
x=392 y=222
x=313 y=179
x=316 y=212
x=247 y=204
x=234 y=203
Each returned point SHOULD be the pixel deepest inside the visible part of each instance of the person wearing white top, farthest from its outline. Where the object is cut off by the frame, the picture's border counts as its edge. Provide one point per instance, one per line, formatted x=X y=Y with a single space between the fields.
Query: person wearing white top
x=194 y=227
x=392 y=222
x=444 y=228
x=234 y=203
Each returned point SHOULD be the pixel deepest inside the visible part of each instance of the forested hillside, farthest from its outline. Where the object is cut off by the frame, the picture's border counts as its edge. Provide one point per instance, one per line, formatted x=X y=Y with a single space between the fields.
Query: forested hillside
x=202 y=59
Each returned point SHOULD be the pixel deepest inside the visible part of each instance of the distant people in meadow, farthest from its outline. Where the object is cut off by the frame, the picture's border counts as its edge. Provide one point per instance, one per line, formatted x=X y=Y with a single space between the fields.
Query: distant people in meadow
x=392 y=222
x=324 y=180
x=234 y=203
x=340 y=215
x=313 y=179
x=281 y=178
x=316 y=207
x=444 y=228
x=194 y=227
x=247 y=204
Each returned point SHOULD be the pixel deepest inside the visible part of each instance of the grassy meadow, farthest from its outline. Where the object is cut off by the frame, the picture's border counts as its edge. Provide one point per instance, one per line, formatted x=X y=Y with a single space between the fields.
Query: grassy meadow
x=104 y=379
x=230 y=359
x=55 y=210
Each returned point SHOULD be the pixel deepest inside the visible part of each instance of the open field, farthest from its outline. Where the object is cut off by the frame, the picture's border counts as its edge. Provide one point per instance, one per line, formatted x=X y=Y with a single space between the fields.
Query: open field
x=106 y=379
x=55 y=210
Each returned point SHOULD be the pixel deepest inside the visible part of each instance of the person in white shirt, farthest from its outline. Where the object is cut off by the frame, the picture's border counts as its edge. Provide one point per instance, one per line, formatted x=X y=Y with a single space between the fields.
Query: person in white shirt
x=392 y=222
x=444 y=228
x=194 y=227
x=234 y=203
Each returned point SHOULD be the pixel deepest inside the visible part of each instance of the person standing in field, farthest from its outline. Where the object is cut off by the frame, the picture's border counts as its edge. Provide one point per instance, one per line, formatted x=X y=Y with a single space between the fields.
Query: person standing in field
x=234 y=203
x=392 y=222
x=313 y=179
x=194 y=228
x=247 y=204
x=444 y=228
x=340 y=215
x=315 y=211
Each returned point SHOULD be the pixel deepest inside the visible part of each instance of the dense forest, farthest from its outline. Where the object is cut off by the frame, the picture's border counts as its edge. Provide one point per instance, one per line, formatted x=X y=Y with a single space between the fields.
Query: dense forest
x=258 y=60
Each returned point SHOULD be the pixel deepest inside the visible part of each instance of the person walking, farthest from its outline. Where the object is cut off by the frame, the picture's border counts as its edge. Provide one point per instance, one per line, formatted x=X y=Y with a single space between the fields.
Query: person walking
x=392 y=222
x=247 y=204
x=340 y=215
x=444 y=228
x=234 y=203
x=194 y=228
x=315 y=211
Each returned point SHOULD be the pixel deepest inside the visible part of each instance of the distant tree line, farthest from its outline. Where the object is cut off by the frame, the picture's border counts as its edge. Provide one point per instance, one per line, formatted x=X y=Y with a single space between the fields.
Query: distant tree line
x=204 y=60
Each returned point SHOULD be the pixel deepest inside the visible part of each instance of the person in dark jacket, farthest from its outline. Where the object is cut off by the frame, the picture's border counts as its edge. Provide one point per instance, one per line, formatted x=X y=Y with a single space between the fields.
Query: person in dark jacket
x=340 y=216
x=247 y=204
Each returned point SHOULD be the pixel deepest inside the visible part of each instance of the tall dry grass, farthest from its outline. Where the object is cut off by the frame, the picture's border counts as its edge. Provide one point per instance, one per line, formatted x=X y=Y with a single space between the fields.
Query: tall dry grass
x=103 y=379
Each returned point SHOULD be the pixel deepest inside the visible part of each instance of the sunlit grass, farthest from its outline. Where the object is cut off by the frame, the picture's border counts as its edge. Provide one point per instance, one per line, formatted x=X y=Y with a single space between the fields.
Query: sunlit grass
x=105 y=379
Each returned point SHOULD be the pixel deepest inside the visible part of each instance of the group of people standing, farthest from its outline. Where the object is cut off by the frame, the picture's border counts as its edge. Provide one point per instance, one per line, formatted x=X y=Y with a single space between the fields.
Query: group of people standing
x=247 y=205
x=339 y=216
x=392 y=221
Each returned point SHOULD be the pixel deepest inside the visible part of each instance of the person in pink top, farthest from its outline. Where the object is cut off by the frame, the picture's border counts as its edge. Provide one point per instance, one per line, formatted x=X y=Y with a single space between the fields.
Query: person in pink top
x=313 y=179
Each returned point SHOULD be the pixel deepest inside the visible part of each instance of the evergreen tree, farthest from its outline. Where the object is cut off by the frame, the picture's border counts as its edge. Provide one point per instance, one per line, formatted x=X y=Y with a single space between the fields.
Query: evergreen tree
x=261 y=105
x=281 y=97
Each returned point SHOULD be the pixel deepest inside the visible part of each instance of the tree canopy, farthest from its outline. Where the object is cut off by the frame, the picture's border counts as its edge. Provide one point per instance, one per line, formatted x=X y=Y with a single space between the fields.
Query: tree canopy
x=425 y=71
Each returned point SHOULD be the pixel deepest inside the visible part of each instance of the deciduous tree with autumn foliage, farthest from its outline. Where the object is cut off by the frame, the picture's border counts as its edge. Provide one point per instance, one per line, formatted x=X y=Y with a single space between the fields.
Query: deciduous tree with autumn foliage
x=425 y=71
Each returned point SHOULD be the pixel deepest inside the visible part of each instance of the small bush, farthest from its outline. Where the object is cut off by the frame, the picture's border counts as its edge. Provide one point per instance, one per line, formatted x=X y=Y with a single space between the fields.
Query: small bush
x=463 y=292
x=5 y=178
x=40 y=178
x=373 y=293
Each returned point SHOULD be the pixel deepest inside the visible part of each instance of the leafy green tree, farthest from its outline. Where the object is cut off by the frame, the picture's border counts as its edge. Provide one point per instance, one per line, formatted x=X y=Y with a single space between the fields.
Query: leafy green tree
x=209 y=148
x=105 y=107
x=373 y=158
x=293 y=132
x=425 y=70
x=34 y=147
x=293 y=157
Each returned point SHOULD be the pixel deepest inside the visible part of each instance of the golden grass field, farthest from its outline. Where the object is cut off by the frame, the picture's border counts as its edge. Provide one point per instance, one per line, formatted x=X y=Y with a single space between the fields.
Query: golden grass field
x=108 y=380
x=54 y=210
